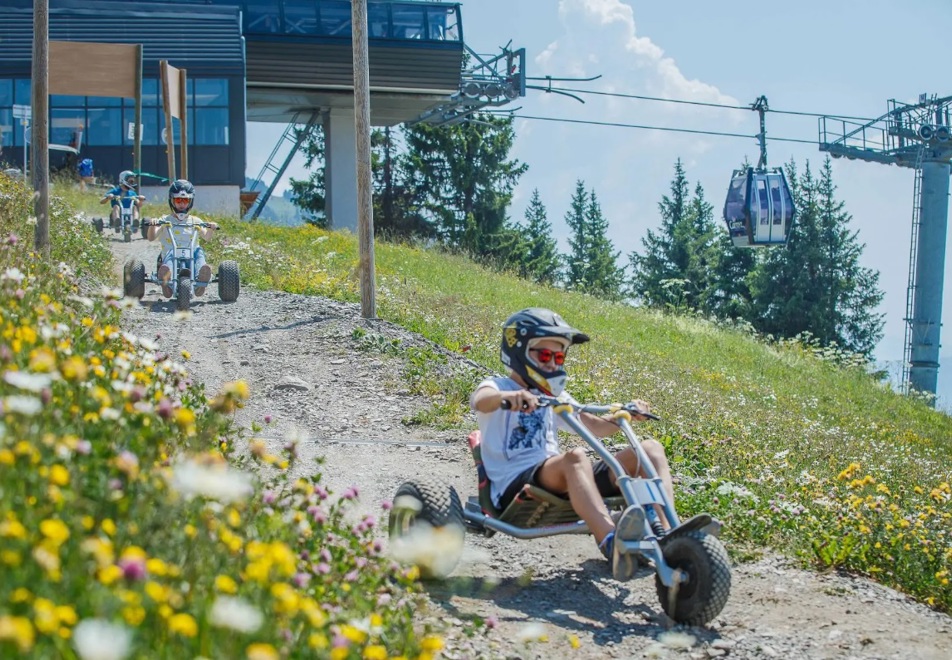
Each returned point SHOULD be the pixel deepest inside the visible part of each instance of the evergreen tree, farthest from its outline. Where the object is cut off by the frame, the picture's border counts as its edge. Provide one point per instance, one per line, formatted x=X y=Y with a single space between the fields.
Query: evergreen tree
x=311 y=194
x=465 y=179
x=817 y=285
x=678 y=265
x=539 y=259
x=593 y=264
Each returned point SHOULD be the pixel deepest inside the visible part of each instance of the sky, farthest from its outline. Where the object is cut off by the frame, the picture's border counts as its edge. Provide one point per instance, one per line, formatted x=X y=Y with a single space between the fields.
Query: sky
x=848 y=57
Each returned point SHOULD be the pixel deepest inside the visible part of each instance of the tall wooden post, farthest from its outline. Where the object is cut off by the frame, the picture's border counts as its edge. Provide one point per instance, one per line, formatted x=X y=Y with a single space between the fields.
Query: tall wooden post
x=137 y=129
x=41 y=126
x=365 y=217
x=183 y=122
x=169 y=134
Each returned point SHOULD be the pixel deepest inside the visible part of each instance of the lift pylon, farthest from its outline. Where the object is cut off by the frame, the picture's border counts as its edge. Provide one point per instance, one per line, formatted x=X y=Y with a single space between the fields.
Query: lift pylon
x=918 y=136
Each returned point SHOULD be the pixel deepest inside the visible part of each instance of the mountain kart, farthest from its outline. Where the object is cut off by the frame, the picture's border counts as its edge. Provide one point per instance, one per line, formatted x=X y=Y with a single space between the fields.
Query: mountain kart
x=692 y=569
x=181 y=283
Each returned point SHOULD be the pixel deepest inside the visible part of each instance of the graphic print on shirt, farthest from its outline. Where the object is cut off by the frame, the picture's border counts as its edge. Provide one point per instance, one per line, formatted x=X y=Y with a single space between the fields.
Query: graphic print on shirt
x=531 y=431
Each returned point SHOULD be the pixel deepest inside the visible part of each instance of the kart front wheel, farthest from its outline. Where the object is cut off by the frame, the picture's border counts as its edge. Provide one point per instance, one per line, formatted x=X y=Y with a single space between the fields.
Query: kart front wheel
x=229 y=283
x=703 y=563
x=426 y=527
x=183 y=294
x=133 y=280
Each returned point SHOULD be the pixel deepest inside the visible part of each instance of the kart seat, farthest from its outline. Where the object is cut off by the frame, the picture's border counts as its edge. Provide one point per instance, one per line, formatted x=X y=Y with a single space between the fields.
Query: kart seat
x=533 y=506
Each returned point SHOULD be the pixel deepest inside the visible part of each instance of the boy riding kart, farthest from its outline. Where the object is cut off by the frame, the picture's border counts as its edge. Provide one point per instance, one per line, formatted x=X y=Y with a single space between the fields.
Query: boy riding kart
x=179 y=223
x=123 y=194
x=519 y=439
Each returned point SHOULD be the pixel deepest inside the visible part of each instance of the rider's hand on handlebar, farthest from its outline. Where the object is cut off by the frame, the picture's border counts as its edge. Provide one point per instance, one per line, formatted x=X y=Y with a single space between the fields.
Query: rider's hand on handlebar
x=522 y=400
x=640 y=410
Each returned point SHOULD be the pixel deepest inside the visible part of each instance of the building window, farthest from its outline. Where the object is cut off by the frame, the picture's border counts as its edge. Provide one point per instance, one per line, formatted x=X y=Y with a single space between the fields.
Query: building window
x=335 y=18
x=300 y=17
x=209 y=118
x=105 y=126
x=262 y=16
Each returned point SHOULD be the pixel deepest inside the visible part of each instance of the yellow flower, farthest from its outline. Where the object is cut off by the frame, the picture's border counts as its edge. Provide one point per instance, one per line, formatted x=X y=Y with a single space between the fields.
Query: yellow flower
x=59 y=475
x=7 y=457
x=20 y=595
x=55 y=530
x=183 y=624
x=12 y=529
x=66 y=614
x=19 y=630
x=45 y=616
x=318 y=641
x=261 y=652
x=109 y=527
x=110 y=574
x=133 y=614
x=432 y=643
x=73 y=368
x=156 y=591
x=353 y=633
x=574 y=641
x=225 y=584
x=375 y=652
x=156 y=566
x=184 y=417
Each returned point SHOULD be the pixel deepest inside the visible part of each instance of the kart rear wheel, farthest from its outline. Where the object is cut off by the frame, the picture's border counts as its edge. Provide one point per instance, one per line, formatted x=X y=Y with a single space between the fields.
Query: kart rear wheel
x=127 y=235
x=183 y=296
x=426 y=527
x=229 y=283
x=144 y=229
x=133 y=279
x=703 y=595
x=98 y=224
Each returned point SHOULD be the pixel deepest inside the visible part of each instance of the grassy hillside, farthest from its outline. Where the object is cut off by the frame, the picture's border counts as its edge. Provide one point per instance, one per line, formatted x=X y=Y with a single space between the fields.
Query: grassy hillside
x=790 y=450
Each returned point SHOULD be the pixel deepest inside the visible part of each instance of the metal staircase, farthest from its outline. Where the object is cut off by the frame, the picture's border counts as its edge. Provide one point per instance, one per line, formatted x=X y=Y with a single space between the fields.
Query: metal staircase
x=287 y=145
x=911 y=287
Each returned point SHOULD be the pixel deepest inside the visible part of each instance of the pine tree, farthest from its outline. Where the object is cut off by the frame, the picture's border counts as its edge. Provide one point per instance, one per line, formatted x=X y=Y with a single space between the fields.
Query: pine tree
x=816 y=284
x=539 y=259
x=465 y=179
x=677 y=266
x=593 y=264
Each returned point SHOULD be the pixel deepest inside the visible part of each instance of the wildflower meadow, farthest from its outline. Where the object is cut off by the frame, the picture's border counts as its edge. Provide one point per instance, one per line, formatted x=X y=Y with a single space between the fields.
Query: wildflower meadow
x=129 y=527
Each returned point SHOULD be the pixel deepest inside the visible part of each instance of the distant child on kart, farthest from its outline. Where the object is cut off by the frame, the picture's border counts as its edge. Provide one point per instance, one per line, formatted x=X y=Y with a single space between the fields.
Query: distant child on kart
x=520 y=445
x=181 y=199
x=125 y=189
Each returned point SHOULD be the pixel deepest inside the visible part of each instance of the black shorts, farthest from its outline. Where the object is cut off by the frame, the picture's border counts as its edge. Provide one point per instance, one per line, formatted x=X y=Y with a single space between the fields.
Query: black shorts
x=603 y=481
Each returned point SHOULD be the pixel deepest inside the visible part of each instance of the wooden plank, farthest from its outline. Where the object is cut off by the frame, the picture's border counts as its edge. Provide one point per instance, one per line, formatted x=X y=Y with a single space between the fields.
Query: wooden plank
x=82 y=68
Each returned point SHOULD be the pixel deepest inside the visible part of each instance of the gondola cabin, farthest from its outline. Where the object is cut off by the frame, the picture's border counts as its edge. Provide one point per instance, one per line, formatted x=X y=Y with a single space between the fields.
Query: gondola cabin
x=759 y=208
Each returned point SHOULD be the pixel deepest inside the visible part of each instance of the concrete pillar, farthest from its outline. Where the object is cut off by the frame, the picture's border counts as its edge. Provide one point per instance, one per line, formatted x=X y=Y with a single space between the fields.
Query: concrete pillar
x=340 y=141
x=930 y=272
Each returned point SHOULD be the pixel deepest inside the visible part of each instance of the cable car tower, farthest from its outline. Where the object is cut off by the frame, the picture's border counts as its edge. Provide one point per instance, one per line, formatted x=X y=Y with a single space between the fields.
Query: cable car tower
x=917 y=136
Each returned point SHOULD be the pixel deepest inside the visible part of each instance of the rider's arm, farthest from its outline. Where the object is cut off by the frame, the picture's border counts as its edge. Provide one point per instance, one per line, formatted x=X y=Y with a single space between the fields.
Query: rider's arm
x=489 y=399
x=154 y=230
x=209 y=230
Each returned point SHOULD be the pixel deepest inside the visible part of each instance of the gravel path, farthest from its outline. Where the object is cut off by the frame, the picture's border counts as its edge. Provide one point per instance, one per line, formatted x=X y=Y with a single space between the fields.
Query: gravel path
x=550 y=598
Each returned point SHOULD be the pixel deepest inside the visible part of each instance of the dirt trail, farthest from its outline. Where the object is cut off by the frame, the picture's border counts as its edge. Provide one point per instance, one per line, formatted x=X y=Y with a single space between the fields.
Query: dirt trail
x=305 y=369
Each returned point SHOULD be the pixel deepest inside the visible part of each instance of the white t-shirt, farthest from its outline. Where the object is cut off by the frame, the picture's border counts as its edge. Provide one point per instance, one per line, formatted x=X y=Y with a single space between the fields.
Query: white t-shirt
x=181 y=233
x=513 y=441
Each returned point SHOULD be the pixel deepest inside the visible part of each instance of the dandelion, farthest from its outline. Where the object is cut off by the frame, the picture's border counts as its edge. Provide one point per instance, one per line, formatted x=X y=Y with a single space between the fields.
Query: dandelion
x=97 y=639
x=183 y=624
x=236 y=614
x=261 y=652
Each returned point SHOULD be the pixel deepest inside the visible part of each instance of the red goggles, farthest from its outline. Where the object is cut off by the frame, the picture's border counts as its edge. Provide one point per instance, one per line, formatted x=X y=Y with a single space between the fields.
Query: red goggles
x=547 y=355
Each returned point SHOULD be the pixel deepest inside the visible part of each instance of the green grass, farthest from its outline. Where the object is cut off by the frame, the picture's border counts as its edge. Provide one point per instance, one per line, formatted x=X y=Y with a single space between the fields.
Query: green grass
x=790 y=450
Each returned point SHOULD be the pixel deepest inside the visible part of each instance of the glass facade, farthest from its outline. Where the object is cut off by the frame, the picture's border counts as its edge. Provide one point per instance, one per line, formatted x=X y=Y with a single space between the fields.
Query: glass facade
x=331 y=18
x=107 y=121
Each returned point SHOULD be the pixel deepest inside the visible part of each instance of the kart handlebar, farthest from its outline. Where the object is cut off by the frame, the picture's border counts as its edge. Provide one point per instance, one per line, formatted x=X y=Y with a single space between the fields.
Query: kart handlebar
x=595 y=409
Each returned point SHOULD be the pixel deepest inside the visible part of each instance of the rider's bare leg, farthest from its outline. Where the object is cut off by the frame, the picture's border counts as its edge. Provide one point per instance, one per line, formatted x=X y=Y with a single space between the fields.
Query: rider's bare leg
x=655 y=451
x=571 y=473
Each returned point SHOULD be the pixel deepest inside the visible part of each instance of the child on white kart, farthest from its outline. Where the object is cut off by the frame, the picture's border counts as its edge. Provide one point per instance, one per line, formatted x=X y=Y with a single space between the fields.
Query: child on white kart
x=181 y=199
x=519 y=440
x=126 y=188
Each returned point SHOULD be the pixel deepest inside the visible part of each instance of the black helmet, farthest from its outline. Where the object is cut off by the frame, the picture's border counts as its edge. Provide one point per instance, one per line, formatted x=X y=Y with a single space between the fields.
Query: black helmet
x=181 y=190
x=127 y=178
x=522 y=331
